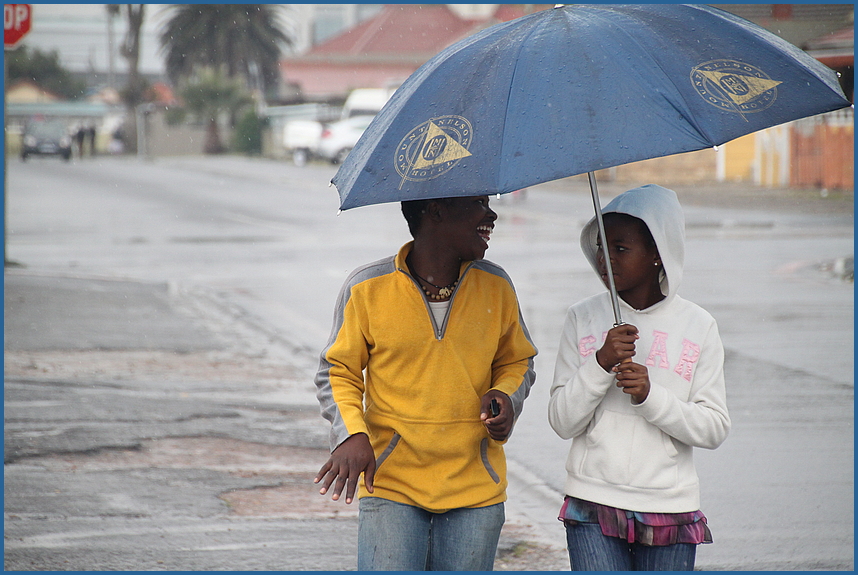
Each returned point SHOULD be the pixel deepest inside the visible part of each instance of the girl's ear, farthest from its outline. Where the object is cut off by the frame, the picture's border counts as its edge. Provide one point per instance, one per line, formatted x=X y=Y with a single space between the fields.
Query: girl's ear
x=656 y=257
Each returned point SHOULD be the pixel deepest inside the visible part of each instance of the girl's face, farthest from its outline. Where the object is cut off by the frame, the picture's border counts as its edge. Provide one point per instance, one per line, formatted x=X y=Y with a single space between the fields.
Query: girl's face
x=634 y=260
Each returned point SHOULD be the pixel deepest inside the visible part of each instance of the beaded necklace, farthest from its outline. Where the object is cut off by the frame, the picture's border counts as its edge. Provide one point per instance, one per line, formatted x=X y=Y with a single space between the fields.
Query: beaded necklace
x=443 y=292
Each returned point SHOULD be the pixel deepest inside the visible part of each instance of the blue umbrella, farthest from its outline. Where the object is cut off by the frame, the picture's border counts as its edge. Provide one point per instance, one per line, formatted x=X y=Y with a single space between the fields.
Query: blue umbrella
x=575 y=89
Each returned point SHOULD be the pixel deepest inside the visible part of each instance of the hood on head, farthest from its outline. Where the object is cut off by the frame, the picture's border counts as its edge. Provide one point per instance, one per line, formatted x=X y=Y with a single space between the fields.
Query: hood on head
x=659 y=208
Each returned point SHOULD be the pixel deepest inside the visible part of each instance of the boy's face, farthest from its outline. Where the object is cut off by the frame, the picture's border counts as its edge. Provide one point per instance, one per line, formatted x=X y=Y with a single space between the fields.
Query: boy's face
x=633 y=258
x=468 y=224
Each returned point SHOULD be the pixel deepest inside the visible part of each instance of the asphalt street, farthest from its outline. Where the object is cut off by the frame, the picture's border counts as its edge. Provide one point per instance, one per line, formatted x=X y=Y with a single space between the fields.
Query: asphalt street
x=150 y=430
x=159 y=406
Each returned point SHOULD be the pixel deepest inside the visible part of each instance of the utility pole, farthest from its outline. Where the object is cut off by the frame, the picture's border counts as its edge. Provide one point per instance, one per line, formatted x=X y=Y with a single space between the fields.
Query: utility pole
x=112 y=12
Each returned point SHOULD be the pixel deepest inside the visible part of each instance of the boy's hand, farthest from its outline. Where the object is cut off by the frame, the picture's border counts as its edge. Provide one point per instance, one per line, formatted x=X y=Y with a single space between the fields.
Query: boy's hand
x=619 y=346
x=634 y=379
x=351 y=458
x=498 y=427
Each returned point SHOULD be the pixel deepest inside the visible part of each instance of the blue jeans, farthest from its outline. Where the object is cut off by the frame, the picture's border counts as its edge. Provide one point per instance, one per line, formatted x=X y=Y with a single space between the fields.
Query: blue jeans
x=397 y=537
x=590 y=550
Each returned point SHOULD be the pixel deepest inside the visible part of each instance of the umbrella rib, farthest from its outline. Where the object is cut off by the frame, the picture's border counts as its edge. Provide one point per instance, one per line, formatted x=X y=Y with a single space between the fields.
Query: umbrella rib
x=685 y=113
x=540 y=23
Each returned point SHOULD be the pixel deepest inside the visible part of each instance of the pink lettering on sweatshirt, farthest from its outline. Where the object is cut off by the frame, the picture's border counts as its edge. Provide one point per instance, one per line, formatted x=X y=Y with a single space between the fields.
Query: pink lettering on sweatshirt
x=658 y=350
x=690 y=355
x=584 y=346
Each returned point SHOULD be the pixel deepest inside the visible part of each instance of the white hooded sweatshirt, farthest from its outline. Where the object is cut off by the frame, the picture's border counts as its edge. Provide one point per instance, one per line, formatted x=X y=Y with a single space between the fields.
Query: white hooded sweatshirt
x=638 y=457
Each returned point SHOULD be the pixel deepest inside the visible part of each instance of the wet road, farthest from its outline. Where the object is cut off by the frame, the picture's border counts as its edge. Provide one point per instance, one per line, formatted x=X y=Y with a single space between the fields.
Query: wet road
x=266 y=236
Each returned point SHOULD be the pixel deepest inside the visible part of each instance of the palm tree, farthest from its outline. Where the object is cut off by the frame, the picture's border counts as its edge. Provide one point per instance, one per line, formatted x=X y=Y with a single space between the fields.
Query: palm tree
x=208 y=93
x=243 y=39
x=132 y=94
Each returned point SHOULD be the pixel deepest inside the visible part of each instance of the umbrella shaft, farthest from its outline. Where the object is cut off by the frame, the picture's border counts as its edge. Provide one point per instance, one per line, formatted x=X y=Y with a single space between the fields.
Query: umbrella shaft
x=615 y=302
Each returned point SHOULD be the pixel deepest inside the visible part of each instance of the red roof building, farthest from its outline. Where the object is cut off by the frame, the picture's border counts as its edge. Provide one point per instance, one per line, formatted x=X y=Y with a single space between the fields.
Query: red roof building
x=837 y=51
x=383 y=51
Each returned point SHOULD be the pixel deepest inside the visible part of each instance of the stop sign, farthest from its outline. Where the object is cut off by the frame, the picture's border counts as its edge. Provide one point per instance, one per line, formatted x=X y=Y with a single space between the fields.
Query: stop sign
x=16 y=23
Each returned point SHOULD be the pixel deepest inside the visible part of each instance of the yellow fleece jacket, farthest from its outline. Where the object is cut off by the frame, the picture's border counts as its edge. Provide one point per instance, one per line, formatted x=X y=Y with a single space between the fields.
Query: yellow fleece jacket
x=415 y=388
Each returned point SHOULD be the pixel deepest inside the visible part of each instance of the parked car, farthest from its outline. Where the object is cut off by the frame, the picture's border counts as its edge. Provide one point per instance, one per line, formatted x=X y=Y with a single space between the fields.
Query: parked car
x=301 y=138
x=339 y=138
x=46 y=138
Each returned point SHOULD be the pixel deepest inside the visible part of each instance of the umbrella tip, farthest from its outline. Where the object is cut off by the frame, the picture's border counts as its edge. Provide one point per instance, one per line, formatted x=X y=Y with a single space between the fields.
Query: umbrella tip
x=715 y=148
x=339 y=212
x=559 y=5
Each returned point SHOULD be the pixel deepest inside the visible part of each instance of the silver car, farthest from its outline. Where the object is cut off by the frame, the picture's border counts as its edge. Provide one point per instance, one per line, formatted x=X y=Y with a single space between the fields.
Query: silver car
x=339 y=138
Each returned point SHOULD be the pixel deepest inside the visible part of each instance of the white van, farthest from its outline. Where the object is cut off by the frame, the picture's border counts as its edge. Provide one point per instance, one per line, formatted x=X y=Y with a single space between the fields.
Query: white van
x=365 y=102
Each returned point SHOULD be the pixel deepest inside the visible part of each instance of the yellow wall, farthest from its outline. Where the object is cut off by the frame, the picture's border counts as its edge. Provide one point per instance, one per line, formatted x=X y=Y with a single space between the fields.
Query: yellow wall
x=739 y=159
x=687 y=168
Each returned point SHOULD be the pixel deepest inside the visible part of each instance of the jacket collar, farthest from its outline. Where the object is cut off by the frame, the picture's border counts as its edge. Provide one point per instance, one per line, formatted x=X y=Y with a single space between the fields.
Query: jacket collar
x=406 y=249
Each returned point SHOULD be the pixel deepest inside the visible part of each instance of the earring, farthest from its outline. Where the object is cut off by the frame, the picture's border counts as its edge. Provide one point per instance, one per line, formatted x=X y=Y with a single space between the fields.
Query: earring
x=655 y=264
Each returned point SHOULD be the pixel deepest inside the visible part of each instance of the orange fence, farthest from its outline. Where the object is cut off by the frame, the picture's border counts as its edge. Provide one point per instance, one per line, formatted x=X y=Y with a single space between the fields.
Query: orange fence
x=814 y=152
x=822 y=151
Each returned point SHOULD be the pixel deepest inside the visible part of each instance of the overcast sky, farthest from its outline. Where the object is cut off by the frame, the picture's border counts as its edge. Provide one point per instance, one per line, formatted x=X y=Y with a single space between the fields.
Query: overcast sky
x=79 y=32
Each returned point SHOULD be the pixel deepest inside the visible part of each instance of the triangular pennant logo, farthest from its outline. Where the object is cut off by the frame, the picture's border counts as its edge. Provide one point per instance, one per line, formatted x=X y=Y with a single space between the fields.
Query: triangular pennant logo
x=438 y=147
x=433 y=148
x=740 y=88
x=734 y=86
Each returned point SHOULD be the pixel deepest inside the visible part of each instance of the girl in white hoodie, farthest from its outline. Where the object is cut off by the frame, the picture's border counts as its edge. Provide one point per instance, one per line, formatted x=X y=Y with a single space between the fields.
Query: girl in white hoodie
x=637 y=397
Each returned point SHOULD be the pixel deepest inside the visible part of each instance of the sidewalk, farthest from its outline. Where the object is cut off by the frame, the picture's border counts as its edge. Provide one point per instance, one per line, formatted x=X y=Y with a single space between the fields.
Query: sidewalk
x=149 y=427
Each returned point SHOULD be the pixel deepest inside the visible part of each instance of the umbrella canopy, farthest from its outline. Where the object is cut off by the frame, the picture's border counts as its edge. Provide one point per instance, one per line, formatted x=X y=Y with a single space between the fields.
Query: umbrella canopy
x=576 y=89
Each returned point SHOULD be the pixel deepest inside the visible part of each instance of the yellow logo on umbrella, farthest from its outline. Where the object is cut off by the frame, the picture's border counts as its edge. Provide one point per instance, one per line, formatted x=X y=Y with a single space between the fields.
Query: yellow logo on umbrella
x=734 y=86
x=433 y=148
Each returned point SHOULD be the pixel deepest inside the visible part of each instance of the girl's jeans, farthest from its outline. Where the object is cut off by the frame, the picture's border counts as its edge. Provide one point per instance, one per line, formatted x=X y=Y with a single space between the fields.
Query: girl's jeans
x=397 y=537
x=590 y=550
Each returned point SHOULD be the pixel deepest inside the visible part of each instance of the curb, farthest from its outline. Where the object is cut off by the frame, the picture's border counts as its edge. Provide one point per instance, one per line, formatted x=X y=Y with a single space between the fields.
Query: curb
x=532 y=502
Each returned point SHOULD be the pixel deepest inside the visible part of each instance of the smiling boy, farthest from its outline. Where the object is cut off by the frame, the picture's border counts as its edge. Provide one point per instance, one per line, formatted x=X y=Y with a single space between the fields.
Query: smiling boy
x=422 y=343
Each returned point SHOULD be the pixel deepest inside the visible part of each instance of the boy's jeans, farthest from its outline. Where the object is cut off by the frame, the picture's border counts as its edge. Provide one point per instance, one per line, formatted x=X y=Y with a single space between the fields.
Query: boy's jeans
x=397 y=537
x=590 y=550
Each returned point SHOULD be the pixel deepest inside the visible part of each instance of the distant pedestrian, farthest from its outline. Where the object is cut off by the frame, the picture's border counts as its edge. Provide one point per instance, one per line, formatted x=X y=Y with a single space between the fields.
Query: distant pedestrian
x=80 y=137
x=635 y=399
x=90 y=135
x=427 y=368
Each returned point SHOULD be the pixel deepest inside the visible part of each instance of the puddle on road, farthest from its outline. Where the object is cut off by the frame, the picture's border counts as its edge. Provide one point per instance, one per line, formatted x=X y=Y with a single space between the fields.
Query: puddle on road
x=296 y=500
x=286 y=489
x=292 y=468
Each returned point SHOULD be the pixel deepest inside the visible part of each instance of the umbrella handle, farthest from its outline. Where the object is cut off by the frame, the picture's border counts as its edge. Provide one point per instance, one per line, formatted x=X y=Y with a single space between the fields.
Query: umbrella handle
x=615 y=302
